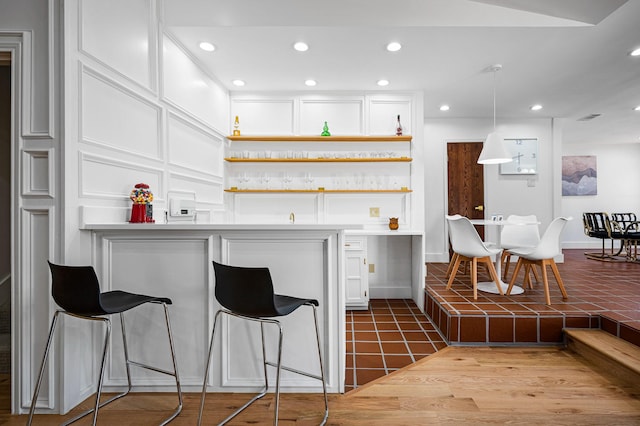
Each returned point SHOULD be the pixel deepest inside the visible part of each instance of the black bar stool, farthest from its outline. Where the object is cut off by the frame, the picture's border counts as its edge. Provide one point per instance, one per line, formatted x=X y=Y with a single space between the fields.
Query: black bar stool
x=247 y=293
x=77 y=291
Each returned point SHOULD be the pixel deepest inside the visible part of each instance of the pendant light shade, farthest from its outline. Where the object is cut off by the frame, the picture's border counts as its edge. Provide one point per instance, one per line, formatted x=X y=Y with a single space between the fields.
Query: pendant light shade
x=493 y=151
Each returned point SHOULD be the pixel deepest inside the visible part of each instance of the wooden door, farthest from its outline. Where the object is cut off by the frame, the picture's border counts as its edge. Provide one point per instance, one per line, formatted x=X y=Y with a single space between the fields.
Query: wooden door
x=465 y=181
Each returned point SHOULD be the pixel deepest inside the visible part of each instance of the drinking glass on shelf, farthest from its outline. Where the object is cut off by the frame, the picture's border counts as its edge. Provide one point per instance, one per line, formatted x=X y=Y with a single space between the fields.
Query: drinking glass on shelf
x=308 y=180
x=372 y=182
x=244 y=180
x=264 y=179
x=286 y=180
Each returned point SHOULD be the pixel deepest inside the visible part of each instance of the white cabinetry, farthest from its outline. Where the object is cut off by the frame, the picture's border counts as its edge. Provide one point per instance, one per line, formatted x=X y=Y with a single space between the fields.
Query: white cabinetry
x=357 y=274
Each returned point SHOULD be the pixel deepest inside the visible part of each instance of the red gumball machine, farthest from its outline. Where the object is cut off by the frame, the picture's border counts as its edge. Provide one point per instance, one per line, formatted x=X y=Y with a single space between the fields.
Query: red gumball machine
x=141 y=210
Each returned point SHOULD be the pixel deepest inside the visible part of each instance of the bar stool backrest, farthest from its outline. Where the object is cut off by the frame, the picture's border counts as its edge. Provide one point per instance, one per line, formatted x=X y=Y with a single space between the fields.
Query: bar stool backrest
x=76 y=289
x=245 y=291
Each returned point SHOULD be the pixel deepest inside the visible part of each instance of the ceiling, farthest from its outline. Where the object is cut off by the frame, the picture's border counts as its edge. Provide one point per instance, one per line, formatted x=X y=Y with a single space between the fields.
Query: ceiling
x=571 y=56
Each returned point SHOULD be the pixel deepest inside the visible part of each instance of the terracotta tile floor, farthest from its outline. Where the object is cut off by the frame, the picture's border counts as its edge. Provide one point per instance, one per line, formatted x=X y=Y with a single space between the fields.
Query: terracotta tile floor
x=392 y=334
x=601 y=294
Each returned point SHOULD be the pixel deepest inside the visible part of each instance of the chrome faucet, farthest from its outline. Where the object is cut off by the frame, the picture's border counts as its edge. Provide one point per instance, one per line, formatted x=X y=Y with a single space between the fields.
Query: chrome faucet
x=292 y=218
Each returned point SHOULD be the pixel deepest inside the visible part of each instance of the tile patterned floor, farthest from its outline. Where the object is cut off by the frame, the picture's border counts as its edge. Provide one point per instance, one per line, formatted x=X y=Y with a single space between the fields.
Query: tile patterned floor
x=601 y=294
x=392 y=334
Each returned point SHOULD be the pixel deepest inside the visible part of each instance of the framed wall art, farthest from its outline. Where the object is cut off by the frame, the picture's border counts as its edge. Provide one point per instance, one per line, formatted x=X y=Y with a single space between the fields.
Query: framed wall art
x=579 y=175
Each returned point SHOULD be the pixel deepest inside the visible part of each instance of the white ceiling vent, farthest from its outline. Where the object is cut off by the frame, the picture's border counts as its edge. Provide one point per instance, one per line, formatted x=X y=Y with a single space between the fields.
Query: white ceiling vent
x=589 y=117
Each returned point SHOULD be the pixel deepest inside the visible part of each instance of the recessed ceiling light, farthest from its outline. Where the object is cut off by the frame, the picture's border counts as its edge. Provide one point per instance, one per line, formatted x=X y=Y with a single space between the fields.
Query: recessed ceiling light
x=637 y=108
x=536 y=107
x=238 y=83
x=207 y=47
x=310 y=82
x=383 y=82
x=444 y=108
x=394 y=46
x=635 y=52
x=301 y=46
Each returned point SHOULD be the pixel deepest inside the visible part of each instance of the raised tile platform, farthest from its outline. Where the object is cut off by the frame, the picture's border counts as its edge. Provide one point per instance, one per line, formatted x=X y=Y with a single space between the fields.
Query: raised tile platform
x=601 y=295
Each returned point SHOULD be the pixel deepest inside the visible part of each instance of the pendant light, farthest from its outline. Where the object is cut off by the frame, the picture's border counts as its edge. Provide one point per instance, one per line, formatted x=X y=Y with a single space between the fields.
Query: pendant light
x=493 y=151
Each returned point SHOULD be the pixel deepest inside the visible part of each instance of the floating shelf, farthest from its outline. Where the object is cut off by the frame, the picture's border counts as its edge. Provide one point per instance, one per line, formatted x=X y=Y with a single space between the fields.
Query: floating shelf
x=318 y=160
x=311 y=138
x=332 y=191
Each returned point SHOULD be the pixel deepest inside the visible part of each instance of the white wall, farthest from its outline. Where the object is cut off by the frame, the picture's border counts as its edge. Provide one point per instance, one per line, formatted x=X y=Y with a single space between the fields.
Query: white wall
x=506 y=194
x=137 y=109
x=618 y=188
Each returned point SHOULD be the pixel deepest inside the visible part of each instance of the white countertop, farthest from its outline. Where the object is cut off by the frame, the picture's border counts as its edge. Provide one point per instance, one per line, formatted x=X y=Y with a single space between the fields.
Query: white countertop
x=348 y=228
x=218 y=226
x=364 y=231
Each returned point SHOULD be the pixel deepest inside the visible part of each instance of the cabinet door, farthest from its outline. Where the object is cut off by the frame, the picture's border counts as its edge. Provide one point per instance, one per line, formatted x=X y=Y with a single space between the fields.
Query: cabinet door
x=357 y=279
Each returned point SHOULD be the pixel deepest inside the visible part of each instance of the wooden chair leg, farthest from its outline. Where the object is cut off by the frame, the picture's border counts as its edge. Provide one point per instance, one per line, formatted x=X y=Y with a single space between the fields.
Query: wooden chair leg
x=494 y=274
x=525 y=281
x=556 y=274
x=535 y=273
x=474 y=277
x=545 y=281
x=451 y=263
x=454 y=271
x=514 y=276
x=505 y=259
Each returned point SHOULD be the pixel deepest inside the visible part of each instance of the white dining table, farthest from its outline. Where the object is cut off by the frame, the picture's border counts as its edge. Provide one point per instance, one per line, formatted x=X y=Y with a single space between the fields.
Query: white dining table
x=490 y=286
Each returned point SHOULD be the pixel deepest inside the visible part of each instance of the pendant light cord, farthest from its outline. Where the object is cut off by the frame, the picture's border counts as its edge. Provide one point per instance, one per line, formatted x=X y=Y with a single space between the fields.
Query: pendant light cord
x=494 y=99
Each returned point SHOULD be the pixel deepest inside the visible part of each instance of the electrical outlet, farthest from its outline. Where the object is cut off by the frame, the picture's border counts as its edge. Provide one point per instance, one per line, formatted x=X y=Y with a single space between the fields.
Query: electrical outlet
x=372 y=268
x=374 y=211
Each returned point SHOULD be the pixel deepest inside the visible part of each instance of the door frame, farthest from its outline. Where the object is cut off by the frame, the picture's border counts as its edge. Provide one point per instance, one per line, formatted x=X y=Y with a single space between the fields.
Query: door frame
x=446 y=181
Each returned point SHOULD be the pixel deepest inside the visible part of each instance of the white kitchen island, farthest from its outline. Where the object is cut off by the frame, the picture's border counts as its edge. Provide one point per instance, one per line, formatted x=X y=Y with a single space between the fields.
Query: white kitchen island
x=174 y=260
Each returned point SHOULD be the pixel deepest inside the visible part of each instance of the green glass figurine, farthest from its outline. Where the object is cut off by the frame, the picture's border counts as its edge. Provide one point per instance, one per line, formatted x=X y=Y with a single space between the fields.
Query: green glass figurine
x=325 y=130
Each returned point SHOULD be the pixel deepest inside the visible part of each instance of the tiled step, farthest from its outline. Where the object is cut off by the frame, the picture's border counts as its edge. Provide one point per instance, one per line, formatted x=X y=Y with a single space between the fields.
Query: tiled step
x=612 y=354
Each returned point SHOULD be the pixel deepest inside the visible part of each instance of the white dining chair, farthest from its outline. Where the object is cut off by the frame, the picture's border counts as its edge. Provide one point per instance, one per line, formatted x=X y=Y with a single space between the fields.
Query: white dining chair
x=468 y=246
x=542 y=255
x=518 y=232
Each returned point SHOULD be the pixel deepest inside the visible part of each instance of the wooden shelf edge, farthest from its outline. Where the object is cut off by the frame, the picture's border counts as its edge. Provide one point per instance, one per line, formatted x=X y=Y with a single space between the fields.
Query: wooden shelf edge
x=312 y=138
x=331 y=191
x=320 y=160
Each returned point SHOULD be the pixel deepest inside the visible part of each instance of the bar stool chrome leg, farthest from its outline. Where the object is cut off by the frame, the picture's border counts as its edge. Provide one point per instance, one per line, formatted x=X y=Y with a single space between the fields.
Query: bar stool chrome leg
x=105 y=349
x=278 y=365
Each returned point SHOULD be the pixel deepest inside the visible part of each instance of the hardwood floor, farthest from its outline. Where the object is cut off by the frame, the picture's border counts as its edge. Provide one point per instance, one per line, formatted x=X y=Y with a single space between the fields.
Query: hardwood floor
x=458 y=385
